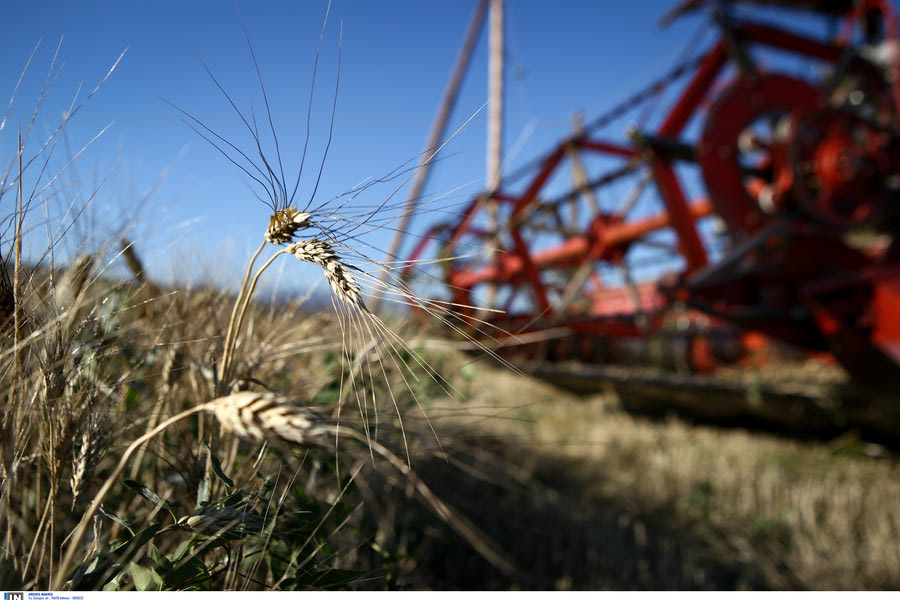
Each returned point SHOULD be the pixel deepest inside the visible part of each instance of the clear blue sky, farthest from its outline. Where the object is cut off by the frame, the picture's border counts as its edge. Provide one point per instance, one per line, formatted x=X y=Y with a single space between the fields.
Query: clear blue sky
x=396 y=57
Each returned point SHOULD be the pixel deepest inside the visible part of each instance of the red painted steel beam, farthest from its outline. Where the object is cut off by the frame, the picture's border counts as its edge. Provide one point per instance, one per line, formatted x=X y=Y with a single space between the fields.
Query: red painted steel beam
x=886 y=317
x=695 y=91
x=777 y=38
x=627 y=232
x=573 y=250
x=531 y=271
x=607 y=147
x=468 y=216
x=530 y=195
x=679 y=213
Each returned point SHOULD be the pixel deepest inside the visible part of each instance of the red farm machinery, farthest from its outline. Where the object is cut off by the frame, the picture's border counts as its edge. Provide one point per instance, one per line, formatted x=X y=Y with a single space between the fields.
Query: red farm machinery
x=758 y=215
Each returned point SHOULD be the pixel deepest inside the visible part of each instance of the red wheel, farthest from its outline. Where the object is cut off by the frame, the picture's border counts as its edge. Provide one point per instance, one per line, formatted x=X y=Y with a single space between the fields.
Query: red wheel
x=839 y=163
x=728 y=165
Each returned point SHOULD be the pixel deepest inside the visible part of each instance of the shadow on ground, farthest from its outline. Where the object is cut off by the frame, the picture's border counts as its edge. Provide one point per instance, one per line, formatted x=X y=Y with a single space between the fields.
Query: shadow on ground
x=560 y=541
x=582 y=494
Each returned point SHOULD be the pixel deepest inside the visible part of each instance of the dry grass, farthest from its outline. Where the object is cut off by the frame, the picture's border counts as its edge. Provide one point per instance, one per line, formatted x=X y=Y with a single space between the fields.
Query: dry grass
x=106 y=386
x=576 y=492
x=628 y=502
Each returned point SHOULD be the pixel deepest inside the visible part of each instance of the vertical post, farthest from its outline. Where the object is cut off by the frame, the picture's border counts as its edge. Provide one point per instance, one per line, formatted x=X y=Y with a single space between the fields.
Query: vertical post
x=579 y=173
x=495 y=126
x=495 y=94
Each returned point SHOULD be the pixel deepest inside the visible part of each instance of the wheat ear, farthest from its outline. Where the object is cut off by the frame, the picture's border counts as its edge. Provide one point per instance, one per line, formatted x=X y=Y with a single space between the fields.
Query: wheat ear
x=264 y=416
x=274 y=419
x=337 y=272
x=284 y=224
x=282 y=227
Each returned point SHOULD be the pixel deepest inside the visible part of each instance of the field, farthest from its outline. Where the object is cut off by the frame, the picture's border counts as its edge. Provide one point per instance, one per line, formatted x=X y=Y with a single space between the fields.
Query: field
x=535 y=488
x=610 y=500
x=175 y=437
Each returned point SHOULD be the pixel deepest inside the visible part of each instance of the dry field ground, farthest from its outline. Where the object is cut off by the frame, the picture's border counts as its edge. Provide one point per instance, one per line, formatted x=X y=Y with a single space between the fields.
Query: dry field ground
x=587 y=496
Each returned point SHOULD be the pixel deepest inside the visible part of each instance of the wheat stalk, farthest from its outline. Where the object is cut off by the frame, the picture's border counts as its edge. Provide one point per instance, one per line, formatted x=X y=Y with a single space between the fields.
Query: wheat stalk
x=79 y=531
x=265 y=417
x=283 y=226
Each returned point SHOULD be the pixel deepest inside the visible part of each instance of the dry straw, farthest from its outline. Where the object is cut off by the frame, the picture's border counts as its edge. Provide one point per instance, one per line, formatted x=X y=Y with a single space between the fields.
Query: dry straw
x=264 y=416
x=273 y=419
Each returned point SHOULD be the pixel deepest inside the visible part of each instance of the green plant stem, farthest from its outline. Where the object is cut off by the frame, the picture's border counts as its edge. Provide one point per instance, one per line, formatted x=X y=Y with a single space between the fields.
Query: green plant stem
x=85 y=521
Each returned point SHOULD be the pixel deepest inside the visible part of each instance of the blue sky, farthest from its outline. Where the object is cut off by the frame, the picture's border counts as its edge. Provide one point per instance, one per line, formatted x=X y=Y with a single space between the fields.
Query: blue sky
x=198 y=214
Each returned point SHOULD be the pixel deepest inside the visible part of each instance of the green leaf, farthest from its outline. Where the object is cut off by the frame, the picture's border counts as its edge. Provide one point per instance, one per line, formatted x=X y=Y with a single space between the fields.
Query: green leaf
x=113 y=517
x=10 y=578
x=107 y=574
x=468 y=372
x=149 y=495
x=145 y=579
x=125 y=552
x=131 y=397
x=161 y=560
x=115 y=583
x=202 y=493
x=183 y=549
x=217 y=469
x=192 y=573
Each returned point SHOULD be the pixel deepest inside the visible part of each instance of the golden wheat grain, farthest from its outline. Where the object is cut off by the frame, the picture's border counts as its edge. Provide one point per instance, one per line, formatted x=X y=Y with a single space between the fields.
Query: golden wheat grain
x=84 y=460
x=284 y=224
x=72 y=284
x=337 y=272
x=132 y=260
x=267 y=417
